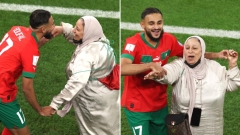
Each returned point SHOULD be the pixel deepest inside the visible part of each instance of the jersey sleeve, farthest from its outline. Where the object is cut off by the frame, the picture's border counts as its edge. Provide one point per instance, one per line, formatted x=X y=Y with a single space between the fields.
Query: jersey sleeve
x=177 y=48
x=29 y=57
x=129 y=50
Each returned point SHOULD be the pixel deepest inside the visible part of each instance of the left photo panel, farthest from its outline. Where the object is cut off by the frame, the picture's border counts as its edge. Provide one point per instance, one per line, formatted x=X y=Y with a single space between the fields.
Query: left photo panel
x=59 y=67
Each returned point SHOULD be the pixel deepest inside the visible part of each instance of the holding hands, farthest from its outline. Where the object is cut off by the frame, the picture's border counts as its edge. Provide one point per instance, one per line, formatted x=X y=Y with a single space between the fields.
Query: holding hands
x=47 y=111
x=157 y=71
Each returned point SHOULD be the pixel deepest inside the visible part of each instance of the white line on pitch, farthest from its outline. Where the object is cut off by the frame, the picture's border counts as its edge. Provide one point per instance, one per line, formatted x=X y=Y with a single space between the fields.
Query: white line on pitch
x=60 y=10
x=187 y=30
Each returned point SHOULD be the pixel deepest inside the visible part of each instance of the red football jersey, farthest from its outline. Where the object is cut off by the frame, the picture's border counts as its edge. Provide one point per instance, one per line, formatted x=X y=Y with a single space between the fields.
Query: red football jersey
x=141 y=95
x=19 y=54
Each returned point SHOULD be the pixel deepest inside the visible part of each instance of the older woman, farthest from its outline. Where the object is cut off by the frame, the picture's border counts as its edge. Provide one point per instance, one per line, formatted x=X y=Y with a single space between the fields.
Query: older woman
x=199 y=85
x=89 y=87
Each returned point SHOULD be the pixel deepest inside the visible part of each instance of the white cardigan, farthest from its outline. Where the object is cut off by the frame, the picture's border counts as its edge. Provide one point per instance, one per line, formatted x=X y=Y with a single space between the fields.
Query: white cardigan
x=96 y=107
x=210 y=93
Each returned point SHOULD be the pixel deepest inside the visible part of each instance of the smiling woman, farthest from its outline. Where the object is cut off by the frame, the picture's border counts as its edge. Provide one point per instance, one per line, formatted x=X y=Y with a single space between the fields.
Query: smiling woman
x=92 y=79
x=199 y=86
x=193 y=52
x=78 y=31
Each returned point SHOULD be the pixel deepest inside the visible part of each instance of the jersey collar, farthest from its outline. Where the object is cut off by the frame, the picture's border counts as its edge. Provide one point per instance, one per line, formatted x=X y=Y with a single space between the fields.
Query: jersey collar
x=145 y=41
x=35 y=37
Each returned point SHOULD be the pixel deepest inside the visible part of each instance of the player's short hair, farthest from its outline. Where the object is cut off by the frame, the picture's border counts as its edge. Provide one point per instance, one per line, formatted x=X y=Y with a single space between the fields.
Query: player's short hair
x=150 y=10
x=39 y=17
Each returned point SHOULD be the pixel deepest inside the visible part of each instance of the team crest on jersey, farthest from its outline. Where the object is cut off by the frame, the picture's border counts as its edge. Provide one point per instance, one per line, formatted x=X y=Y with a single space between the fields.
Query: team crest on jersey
x=35 y=60
x=130 y=47
x=165 y=54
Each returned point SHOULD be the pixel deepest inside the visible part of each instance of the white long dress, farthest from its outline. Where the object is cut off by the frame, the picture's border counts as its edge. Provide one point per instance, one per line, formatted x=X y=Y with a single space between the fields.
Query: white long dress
x=210 y=93
x=96 y=107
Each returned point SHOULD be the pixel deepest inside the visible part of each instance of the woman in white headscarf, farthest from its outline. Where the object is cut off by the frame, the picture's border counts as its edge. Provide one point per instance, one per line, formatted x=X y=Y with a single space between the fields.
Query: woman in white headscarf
x=95 y=102
x=200 y=84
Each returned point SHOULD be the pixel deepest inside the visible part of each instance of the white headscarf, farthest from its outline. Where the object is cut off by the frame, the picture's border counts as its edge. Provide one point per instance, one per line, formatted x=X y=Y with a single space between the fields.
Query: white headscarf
x=92 y=31
x=198 y=72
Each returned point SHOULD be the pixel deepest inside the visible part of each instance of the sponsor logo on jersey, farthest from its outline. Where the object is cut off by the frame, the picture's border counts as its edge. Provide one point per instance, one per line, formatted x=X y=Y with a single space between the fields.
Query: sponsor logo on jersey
x=35 y=60
x=156 y=58
x=130 y=47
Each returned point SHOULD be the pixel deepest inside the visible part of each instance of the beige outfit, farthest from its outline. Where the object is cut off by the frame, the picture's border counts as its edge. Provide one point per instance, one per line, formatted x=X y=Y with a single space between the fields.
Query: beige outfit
x=209 y=93
x=96 y=107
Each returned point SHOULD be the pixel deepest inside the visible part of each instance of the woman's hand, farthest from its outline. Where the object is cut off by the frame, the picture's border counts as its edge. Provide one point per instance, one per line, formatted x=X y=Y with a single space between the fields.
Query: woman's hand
x=232 y=58
x=57 y=30
x=152 y=75
x=157 y=71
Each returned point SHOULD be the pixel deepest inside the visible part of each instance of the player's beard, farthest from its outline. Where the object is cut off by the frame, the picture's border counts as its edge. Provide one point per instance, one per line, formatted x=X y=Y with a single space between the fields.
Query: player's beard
x=48 y=35
x=153 y=38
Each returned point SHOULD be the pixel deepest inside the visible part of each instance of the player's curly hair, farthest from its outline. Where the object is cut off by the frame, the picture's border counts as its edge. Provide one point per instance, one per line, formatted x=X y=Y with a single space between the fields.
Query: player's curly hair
x=150 y=10
x=39 y=17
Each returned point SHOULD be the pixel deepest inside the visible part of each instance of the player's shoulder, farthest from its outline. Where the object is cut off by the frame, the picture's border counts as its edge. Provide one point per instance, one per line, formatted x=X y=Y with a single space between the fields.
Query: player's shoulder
x=21 y=32
x=134 y=39
x=20 y=29
x=170 y=38
x=168 y=35
x=27 y=36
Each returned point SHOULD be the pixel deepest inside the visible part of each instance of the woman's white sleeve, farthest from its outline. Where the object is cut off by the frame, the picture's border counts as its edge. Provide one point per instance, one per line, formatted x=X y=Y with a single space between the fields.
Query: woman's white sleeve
x=68 y=32
x=233 y=79
x=174 y=70
x=81 y=72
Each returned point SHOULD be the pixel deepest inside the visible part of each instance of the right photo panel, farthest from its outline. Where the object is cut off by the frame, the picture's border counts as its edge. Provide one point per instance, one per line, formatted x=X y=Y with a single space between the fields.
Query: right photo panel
x=179 y=67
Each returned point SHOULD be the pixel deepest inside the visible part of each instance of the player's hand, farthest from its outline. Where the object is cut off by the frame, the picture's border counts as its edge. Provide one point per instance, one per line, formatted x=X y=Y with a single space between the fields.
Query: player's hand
x=157 y=69
x=223 y=54
x=152 y=75
x=47 y=111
